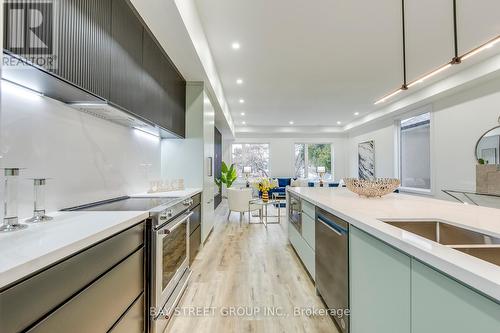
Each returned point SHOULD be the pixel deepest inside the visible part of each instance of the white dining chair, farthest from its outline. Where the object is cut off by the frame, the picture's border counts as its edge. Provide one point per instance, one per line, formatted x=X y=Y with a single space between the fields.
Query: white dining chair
x=239 y=201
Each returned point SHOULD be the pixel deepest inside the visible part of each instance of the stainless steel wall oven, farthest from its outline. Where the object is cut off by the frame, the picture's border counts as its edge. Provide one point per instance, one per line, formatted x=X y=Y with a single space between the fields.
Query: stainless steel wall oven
x=295 y=212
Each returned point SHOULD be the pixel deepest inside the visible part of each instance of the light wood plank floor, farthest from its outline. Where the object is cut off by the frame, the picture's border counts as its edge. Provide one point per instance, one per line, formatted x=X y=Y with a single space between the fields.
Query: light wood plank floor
x=247 y=267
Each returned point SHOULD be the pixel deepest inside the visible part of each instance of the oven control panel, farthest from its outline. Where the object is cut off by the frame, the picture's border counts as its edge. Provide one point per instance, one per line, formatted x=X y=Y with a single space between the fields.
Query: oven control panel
x=166 y=215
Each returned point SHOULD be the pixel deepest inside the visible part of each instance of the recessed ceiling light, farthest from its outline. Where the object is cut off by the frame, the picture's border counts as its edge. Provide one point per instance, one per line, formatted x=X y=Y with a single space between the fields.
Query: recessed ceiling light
x=239 y=81
x=236 y=46
x=356 y=113
x=339 y=123
x=242 y=101
x=244 y=122
x=291 y=122
x=243 y=113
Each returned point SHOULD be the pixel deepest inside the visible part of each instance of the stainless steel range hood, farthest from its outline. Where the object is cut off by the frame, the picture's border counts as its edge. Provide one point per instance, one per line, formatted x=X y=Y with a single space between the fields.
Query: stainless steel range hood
x=25 y=74
x=115 y=114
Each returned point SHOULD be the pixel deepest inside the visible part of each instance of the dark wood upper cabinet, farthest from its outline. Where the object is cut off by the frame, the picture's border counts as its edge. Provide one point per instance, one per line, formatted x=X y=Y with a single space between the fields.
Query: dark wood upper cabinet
x=84 y=46
x=154 y=99
x=126 y=88
x=164 y=87
x=103 y=47
x=175 y=87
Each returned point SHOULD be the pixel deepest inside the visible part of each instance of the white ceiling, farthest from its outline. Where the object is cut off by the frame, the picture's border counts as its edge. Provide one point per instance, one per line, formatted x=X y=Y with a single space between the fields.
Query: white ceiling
x=317 y=62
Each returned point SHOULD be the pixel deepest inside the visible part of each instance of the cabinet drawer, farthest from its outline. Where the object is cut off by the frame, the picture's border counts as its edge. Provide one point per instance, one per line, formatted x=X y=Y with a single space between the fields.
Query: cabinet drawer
x=195 y=220
x=308 y=208
x=305 y=253
x=196 y=199
x=194 y=244
x=99 y=306
x=43 y=292
x=133 y=320
x=308 y=230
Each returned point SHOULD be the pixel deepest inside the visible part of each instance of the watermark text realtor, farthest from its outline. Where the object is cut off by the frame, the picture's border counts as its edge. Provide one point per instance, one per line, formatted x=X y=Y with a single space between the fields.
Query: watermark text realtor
x=31 y=32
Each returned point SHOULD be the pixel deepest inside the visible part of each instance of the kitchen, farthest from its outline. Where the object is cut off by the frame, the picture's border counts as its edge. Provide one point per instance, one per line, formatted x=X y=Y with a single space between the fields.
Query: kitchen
x=116 y=117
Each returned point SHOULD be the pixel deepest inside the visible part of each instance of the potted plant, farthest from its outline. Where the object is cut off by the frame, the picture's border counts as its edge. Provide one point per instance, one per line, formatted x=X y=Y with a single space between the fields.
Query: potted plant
x=264 y=185
x=228 y=176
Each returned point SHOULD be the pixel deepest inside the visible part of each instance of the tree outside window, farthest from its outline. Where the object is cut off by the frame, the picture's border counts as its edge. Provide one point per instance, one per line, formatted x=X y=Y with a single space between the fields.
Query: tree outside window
x=254 y=155
x=310 y=156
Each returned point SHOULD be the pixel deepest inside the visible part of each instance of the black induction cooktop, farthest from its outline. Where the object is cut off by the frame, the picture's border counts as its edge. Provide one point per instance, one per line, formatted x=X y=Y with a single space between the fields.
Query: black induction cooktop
x=124 y=204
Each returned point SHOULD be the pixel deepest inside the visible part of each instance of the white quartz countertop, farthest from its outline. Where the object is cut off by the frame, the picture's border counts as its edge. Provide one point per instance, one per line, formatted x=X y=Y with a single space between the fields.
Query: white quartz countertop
x=171 y=194
x=366 y=213
x=27 y=251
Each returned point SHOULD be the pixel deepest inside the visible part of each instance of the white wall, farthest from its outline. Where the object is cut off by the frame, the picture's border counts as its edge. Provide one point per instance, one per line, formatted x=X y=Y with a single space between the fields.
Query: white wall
x=281 y=153
x=88 y=158
x=457 y=122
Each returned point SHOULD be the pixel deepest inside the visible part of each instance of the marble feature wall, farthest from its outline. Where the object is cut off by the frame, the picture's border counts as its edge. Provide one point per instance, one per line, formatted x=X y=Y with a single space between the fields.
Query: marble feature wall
x=87 y=158
x=488 y=179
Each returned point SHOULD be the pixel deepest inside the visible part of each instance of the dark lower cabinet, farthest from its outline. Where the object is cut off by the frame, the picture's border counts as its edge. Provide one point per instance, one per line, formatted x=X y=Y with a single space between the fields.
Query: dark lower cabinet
x=126 y=82
x=99 y=306
x=194 y=244
x=91 y=291
x=133 y=319
x=195 y=233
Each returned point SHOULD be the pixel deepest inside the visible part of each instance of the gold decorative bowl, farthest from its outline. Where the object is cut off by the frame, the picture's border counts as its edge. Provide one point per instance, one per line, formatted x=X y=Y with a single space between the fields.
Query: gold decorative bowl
x=372 y=188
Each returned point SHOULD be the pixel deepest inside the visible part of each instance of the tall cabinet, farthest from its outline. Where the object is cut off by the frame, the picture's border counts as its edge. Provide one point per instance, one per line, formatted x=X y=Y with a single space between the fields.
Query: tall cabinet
x=193 y=157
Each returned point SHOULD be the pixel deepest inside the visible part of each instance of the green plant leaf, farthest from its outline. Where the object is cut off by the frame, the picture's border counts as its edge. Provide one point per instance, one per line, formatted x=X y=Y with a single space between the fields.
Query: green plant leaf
x=224 y=168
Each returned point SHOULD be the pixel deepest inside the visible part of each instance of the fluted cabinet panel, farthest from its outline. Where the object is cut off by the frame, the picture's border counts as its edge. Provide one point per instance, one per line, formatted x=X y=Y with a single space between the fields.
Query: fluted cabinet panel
x=103 y=47
x=126 y=87
x=84 y=44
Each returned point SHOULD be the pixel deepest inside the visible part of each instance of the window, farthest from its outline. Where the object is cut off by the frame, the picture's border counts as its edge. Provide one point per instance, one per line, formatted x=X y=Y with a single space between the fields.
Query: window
x=415 y=152
x=310 y=156
x=253 y=155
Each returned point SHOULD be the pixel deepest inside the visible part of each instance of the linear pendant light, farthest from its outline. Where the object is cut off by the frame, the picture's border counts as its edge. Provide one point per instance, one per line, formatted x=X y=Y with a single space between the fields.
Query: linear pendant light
x=454 y=61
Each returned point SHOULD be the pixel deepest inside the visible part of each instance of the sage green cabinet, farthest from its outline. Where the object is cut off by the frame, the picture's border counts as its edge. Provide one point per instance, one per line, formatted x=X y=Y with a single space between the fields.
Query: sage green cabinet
x=441 y=304
x=393 y=292
x=308 y=226
x=304 y=251
x=380 y=285
x=308 y=208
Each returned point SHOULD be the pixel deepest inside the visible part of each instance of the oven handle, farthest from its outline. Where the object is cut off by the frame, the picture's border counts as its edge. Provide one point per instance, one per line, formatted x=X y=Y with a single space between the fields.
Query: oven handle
x=175 y=224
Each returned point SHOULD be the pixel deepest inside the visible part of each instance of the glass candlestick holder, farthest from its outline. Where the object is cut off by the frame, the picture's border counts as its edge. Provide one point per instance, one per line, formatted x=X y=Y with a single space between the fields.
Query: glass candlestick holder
x=39 y=204
x=11 y=220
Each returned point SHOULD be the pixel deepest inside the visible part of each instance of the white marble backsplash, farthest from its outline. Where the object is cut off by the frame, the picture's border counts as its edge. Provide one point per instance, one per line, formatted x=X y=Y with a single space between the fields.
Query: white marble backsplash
x=87 y=158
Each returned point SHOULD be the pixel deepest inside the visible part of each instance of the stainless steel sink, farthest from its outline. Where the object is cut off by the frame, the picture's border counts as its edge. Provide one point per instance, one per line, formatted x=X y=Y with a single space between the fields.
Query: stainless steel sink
x=473 y=243
x=443 y=233
x=490 y=253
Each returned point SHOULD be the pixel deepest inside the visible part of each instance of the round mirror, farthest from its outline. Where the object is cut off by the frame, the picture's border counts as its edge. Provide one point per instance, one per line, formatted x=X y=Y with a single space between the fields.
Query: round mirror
x=488 y=147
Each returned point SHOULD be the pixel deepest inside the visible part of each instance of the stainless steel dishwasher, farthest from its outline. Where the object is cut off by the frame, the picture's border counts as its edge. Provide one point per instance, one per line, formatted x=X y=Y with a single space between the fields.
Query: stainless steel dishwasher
x=332 y=265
